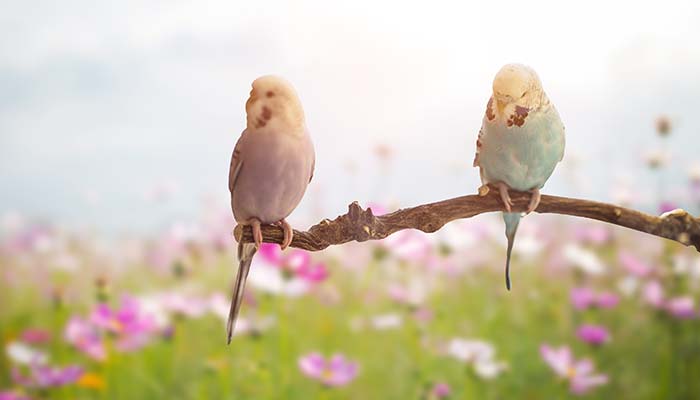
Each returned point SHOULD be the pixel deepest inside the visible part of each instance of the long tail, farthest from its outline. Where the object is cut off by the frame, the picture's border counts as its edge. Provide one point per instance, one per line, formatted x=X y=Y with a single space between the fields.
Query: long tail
x=512 y=221
x=246 y=251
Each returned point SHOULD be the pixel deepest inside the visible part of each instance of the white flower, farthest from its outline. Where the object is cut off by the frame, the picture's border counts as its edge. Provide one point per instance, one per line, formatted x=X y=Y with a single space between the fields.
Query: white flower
x=528 y=246
x=479 y=354
x=269 y=278
x=628 y=285
x=386 y=321
x=469 y=350
x=585 y=260
x=21 y=353
x=489 y=369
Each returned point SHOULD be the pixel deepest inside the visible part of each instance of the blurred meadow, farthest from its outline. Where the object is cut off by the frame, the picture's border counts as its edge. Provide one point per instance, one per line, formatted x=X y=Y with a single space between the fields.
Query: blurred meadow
x=117 y=122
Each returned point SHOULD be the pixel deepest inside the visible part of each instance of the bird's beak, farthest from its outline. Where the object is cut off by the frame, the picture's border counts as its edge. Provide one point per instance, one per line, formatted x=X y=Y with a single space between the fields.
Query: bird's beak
x=500 y=106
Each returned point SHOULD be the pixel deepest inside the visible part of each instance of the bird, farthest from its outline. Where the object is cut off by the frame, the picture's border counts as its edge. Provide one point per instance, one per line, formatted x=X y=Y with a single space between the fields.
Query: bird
x=272 y=163
x=520 y=142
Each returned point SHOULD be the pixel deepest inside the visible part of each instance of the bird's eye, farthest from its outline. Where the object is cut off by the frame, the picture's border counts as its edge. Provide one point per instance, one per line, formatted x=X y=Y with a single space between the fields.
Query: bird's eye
x=523 y=95
x=270 y=93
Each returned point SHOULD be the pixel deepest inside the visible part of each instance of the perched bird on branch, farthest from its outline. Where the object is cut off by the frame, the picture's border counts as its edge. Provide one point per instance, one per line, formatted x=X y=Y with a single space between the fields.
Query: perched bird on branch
x=520 y=142
x=272 y=163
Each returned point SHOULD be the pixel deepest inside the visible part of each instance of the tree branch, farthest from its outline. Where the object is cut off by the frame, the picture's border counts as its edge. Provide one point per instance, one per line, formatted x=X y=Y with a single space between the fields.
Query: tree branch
x=361 y=225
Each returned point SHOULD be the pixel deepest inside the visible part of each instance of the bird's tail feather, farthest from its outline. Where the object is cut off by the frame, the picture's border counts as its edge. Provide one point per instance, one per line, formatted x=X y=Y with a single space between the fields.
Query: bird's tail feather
x=246 y=251
x=512 y=221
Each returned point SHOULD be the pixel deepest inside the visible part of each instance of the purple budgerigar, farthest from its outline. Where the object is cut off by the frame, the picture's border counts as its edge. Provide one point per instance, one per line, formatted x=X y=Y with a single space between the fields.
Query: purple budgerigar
x=271 y=166
x=520 y=142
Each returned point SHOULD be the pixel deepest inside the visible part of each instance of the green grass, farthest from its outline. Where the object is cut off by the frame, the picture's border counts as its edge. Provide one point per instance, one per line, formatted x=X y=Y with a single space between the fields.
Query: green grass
x=651 y=356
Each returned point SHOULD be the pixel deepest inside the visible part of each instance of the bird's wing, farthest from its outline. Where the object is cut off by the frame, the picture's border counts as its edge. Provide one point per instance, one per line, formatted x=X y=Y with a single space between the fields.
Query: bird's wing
x=236 y=164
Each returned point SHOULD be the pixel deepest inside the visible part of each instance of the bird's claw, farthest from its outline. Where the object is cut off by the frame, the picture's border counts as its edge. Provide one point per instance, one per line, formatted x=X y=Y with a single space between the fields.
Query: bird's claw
x=288 y=233
x=505 y=197
x=257 y=232
x=534 y=201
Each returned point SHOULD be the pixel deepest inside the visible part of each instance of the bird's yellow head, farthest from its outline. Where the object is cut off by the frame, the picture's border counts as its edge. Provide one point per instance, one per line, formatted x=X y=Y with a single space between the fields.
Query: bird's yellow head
x=273 y=103
x=517 y=85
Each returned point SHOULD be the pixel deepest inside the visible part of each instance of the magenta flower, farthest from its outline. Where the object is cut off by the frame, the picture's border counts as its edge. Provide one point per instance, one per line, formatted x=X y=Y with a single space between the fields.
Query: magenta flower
x=44 y=376
x=440 y=390
x=607 y=300
x=313 y=273
x=593 y=334
x=653 y=294
x=634 y=265
x=86 y=338
x=132 y=327
x=337 y=371
x=35 y=336
x=583 y=298
x=580 y=374
x=271 y=253
x=681 y=307
x=297 y=263
x=10 y=395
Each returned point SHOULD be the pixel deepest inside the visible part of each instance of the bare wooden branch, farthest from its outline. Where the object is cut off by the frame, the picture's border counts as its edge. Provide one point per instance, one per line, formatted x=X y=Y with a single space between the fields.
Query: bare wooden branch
x=361 y=225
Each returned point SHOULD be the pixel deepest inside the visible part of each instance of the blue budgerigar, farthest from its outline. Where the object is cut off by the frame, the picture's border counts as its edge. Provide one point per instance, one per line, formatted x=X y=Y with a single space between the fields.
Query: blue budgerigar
x=520 y=142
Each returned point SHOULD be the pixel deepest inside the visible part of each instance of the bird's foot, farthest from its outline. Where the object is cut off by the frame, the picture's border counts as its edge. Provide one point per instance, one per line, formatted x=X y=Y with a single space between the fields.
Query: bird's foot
x=484 y=190
x=534 y=200
x=505 y=197
x=257 y=232
x=288 y=233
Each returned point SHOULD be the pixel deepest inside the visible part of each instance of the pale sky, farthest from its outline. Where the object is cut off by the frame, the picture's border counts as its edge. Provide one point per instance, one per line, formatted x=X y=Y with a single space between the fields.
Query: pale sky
x=101 y=104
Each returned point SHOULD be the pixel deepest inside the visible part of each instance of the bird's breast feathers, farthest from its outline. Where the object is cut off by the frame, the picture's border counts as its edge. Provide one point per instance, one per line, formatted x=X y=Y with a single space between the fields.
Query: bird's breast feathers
x=520 y=148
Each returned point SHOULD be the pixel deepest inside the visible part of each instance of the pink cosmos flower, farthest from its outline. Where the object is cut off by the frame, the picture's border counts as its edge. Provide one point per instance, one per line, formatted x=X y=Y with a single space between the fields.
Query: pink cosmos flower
x=44 y=376
x=607 y=300
x=128 y=319
x=187 y=306
x=653 y=294
x=35 y=336
x=295 y=262
x=271 y=253
x=440 y=390
x=583 y=298
x=408 y=245
x=132 y=327
x=337 y=371
x=86 y=338
x=129 y=325
x=681 y=307
x=634 y=265
x=580 y=374
x=10 y=395
x=596 y=234
x=593 y=334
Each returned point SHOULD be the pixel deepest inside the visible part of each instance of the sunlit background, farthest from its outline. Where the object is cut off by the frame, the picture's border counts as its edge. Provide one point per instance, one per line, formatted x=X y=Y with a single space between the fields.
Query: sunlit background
x=117 y=122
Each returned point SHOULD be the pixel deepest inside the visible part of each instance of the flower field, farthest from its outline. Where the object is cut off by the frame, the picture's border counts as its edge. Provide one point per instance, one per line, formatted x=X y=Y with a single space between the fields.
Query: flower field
x=595 y=311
